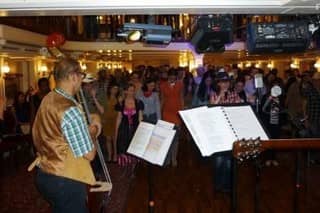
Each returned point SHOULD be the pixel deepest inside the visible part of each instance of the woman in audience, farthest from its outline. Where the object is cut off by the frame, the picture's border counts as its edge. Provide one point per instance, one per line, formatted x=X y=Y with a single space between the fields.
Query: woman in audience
x=109 y=115
x=239 y=89
x=130 y=113
x=223 y=160
x=224 y=94
x=189 y=87
x=151 y=101
x=204 y=91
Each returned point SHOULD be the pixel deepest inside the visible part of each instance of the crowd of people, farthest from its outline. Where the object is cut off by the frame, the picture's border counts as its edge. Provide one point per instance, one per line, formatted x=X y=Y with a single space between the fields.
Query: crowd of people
x=123 y=99
x=150 y=93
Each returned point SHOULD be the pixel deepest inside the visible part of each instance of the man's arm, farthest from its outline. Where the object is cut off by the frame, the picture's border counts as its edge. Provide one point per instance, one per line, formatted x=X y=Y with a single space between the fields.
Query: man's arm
x=77 y=134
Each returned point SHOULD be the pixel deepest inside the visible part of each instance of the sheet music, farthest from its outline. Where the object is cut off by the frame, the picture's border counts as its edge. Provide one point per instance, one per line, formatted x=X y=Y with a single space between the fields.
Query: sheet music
x=140 y=139
x=152 y=142
x=158 y=147
x=165 y=124
x=245 y=122
x=188 y=116
x=209 y=129
x=215 y=129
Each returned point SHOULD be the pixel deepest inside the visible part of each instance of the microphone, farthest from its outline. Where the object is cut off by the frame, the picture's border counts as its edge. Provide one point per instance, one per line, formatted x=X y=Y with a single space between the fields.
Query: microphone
x=258 y=80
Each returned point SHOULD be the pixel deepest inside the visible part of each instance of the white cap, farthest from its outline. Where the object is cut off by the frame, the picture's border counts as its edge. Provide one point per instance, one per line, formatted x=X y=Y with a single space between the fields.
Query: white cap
x=89 y=78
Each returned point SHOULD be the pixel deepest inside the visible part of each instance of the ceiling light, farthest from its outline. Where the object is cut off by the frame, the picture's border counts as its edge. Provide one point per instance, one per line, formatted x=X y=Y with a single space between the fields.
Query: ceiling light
x=132 y=20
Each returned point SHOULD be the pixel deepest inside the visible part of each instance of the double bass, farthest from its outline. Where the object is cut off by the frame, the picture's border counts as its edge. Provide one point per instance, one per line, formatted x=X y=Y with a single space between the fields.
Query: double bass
x=101 y=191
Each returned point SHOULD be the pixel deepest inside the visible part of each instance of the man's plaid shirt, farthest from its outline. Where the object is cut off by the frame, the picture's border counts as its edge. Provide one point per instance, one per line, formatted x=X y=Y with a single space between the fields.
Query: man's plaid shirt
x=75 y=129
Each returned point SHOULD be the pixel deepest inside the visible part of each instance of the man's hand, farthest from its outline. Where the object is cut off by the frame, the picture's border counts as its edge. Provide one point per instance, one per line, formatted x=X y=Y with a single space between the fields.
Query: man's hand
x=95 y=126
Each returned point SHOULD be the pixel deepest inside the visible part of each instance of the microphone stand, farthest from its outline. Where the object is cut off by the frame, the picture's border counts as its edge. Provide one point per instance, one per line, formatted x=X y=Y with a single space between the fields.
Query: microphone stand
x=258 y=100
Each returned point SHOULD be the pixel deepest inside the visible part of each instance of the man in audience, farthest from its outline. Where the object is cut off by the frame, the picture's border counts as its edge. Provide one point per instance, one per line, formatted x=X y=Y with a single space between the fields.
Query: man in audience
x=43 y=90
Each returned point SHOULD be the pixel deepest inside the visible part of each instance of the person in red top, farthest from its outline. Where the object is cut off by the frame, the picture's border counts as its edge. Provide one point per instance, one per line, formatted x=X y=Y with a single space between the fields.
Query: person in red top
x=224 y=94
x=172 y=101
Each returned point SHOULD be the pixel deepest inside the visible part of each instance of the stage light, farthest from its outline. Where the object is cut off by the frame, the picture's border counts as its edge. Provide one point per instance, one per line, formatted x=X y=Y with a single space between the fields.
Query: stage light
x=134 y=35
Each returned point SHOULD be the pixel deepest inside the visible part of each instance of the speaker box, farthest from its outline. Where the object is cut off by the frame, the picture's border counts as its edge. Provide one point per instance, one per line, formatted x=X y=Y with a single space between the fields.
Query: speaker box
x=212 y=33
x=208 y=41
x=280 y=37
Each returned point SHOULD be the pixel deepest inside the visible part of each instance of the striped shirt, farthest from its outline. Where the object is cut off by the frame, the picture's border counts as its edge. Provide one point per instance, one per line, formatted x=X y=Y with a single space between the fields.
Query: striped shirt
x=75 y=129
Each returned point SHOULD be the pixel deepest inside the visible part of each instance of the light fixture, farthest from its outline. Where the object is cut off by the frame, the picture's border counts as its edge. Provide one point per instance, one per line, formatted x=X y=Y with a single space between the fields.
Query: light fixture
x=270 y=65
x=248 y=64
x=317 y=64
x=5 y=68
x=43 y=68
x=83 y=66
x=132 y=20
x=295 y=64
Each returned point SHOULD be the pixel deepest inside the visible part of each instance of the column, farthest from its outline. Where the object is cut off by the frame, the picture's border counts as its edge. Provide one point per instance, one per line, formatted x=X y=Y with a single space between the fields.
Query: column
x=197 y=60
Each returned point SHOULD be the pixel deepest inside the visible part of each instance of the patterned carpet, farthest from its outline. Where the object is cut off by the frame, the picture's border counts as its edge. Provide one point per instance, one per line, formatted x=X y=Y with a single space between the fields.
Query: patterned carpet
x=18 y=193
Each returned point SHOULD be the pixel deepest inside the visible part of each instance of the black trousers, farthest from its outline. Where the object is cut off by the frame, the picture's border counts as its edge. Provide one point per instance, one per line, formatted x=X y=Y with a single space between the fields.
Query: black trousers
x=222 y=166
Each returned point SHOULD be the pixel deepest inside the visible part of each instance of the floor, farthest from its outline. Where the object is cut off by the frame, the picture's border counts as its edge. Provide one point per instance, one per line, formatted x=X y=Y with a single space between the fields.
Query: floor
x=187 y=188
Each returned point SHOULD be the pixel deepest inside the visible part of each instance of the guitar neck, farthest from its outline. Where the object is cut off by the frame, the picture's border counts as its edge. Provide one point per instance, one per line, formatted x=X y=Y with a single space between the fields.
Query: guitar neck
x=291 y=144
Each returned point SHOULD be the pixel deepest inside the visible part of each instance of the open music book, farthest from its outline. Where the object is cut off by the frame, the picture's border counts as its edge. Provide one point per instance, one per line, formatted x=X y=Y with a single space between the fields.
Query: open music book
x=214 y=129
x=152 y=142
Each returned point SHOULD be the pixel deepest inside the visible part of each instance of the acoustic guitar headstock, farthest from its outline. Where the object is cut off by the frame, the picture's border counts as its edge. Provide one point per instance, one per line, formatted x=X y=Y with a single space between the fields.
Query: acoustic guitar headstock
x=247 y=149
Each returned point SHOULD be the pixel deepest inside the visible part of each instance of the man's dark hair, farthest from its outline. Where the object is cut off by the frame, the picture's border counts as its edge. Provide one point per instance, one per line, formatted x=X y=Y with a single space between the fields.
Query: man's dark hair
x=65 y=67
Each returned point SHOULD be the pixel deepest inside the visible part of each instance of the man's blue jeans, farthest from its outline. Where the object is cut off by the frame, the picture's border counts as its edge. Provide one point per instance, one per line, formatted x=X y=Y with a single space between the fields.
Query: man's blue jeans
x=64 y=195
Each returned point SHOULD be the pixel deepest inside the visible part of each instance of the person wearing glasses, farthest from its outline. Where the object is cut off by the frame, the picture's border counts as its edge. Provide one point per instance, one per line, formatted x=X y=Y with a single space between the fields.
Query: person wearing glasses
x=61 y=136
